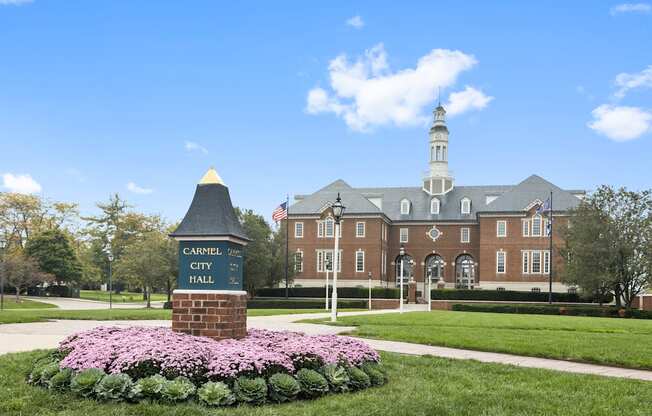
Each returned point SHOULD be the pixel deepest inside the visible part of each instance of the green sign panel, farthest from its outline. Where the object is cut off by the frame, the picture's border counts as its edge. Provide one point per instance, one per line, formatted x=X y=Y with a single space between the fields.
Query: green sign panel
x=210 y=265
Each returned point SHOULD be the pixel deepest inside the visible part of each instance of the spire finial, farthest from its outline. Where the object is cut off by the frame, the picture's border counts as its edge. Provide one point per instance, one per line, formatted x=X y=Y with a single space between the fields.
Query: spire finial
x=211 y=177
x=439 y=96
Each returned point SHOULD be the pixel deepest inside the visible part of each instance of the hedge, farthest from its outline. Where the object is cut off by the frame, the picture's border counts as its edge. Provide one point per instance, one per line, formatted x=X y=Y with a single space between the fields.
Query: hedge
x=303 y=304
x=57 y=291
x=320 y=292
x=437 y=294
x=597 y=311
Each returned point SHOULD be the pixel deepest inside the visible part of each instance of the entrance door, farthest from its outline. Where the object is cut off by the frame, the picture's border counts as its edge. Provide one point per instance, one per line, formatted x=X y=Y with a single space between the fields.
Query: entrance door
x=464 y=272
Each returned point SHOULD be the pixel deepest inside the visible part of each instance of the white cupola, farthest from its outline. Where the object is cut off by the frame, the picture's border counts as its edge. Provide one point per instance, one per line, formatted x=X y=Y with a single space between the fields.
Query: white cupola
x=437 y=179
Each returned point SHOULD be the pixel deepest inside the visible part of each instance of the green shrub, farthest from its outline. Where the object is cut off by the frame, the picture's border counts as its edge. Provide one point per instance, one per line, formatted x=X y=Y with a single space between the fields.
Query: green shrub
x=337 y=377
x=61 y=380
x=358 y=379
x=113 y=387
x=376 y=373
x=302 y=304
x=320 y=292
x=85 y=381
x=312 y=383
x=47 y=372
x=250 y=390
x=283 y=388
x=148 y=388
x=177 y=390
x=570 y=310
x=37 y=371
x=215 y=394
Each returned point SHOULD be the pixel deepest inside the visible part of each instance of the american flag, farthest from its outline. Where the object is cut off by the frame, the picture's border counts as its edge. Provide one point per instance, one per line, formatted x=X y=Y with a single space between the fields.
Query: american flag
x=280 y=213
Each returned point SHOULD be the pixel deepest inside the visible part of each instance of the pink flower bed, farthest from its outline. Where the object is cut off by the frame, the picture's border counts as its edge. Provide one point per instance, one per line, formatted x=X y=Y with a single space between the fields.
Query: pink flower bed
x=119 y=350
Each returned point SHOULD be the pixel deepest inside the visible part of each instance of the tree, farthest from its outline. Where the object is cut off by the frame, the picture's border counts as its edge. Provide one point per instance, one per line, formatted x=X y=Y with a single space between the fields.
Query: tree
x=147 y=263
x=54 y=254
x=609 y=244
x=258 y=253
x=22 y=272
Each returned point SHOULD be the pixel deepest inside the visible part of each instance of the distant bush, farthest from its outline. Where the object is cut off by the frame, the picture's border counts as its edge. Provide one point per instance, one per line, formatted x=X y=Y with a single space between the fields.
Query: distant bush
x=302 y=304
x=596 y=311
x=320 y=292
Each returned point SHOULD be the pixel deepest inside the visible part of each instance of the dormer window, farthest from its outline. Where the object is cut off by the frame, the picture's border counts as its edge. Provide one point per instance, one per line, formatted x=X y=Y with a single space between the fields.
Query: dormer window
x=405 y=207
x=465 y=206
x=434 y=206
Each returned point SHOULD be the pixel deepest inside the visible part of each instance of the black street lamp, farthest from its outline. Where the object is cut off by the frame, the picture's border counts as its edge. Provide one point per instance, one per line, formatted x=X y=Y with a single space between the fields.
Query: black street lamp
x=3 y=244
x=110 y=258
x=401 y=253
x=338 y=211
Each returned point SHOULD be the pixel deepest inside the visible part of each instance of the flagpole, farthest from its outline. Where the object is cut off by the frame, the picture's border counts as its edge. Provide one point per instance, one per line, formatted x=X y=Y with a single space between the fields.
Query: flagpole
x=550 y=255
x=287 y=244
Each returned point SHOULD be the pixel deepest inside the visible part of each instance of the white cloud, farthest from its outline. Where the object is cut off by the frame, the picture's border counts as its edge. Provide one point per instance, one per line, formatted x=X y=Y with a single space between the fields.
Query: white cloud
x=132 y=187
x=366 y=93
x=627 y=82
x=15 y=2
x=631 y=8
x=193 y=146
x=356 y=22
x=20 y=183
x=620 y=123
x=465 y=100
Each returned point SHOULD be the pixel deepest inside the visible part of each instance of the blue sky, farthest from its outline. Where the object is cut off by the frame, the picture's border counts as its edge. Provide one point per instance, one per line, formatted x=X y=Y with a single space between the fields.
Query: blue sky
x=97 y=95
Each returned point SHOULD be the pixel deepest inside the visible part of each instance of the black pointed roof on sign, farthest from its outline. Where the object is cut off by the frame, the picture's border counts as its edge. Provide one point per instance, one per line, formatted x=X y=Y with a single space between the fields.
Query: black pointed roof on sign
x=211 y=212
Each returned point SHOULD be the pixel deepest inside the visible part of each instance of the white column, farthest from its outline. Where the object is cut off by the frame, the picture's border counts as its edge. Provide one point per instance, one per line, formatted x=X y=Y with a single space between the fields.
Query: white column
x=327 y=287
x=401 y=284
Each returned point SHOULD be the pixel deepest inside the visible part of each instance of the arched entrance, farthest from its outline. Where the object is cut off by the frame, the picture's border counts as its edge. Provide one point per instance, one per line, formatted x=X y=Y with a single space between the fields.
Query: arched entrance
x=434 y=270
x=464 y=272
x=408 y=269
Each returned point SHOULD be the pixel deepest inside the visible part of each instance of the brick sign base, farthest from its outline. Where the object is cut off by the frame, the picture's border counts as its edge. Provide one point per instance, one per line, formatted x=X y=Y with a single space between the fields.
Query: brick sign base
x=215 y=314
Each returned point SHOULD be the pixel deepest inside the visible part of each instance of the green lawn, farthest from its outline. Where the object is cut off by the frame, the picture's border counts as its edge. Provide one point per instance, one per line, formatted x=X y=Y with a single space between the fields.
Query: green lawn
x=122 y=297
x=23 y=316
x=417 y=386
x=610 y=341
x=10 y=303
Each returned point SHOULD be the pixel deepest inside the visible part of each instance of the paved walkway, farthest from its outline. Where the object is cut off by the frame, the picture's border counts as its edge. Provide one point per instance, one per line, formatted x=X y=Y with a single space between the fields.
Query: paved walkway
x=30 y=336
x=85 y=304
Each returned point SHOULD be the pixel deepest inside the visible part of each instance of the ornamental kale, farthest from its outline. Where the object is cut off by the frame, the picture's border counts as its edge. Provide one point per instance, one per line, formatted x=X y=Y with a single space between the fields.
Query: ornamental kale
x=61 y=380
x=215 y=394
x=358 y=379
x=283 y=388
x=337 y=378
x=312 y=383
x=84 y=382
x=47 y=372
x=148 y=388
x=177 y=390
x=376 y=373
x=113 y=387
x=250 y=390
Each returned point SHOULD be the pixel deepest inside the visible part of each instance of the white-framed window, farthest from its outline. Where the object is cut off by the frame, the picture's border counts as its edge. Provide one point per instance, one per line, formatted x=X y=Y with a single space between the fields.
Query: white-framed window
x=360 y=229
x=326 y=228
x=325 y=257
x=526 y=228
x=501 y=228
x=298 y=230
x=383 y=266
x=465 y=206
x=434 y=206
x=536 y=226
x=536 y=262
x=405 y=206
x=465 y=235
x=546 y=262
x=298 y=261
x=403 y=235
x=501 y=262
x=359 y=261
x=525 y=261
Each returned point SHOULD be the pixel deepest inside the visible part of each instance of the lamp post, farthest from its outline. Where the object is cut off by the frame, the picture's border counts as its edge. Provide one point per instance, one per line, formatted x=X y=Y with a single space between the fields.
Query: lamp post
x=328 y=264
x=110 y=257
x=338 y=210
x=369 y=275
x=3 y=244
x=402 y=255
x=430 y=286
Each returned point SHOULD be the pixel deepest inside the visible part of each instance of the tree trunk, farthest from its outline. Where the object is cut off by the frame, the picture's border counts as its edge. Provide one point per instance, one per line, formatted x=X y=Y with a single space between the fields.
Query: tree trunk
x=17 y=294
x=149 y=298
x=169 y=289
x=618 y=296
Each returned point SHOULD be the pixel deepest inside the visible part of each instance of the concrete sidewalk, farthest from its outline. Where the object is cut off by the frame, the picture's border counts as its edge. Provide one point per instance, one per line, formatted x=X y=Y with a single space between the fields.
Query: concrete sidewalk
x=30 y=336
x=86 y=304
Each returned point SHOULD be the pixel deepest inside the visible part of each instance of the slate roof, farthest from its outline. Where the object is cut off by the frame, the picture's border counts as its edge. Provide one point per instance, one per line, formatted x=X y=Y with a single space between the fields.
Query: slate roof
x=210 y=214
x=509 y=198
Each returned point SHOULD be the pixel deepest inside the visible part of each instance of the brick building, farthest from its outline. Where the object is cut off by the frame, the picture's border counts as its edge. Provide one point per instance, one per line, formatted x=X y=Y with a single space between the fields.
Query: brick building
x=488 y=237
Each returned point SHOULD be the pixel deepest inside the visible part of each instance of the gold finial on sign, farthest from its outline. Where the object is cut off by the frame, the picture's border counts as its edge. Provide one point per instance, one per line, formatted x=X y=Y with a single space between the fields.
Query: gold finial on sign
x=211 y=177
